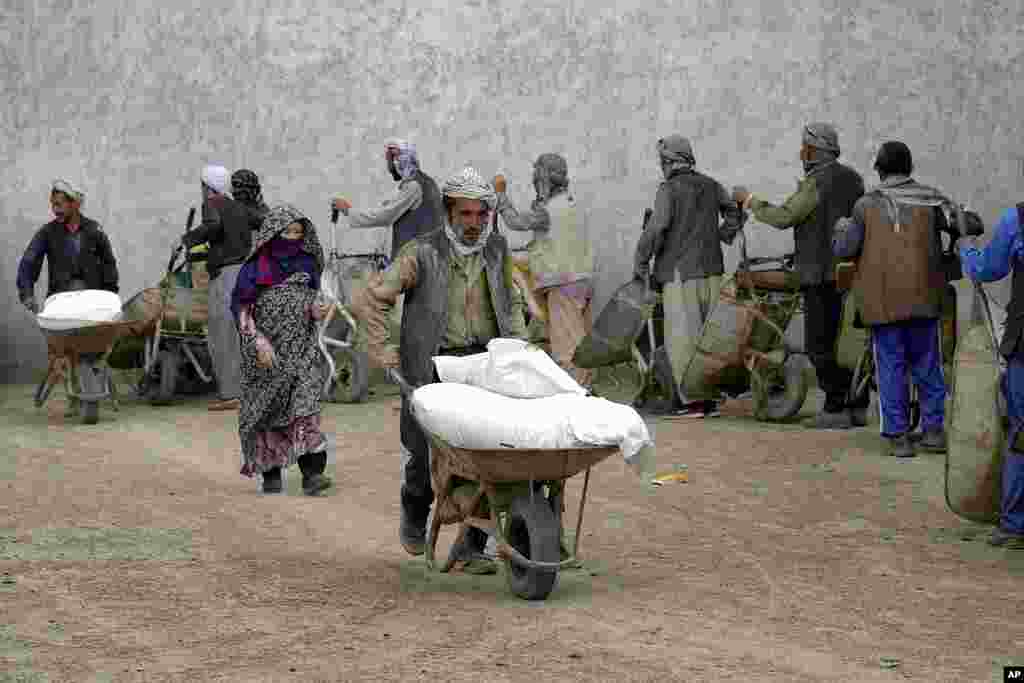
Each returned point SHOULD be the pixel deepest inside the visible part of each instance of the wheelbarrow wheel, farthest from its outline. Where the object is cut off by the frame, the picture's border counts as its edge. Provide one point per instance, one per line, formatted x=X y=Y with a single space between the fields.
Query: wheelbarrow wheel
x=169 y=364
x=533 y=530
x=785 y=394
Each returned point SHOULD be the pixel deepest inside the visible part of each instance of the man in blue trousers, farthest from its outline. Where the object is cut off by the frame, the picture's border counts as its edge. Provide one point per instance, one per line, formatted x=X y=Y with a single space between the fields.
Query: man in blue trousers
x=1005 y=253
x=894 y=234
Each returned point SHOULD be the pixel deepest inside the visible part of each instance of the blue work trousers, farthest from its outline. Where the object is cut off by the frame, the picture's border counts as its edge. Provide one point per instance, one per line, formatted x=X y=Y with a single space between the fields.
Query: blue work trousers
x=1011 y=514
x=910 y=348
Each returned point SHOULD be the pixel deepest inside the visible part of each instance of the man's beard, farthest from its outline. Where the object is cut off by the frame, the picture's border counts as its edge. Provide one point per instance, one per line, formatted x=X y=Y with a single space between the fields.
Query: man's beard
x=394 y=171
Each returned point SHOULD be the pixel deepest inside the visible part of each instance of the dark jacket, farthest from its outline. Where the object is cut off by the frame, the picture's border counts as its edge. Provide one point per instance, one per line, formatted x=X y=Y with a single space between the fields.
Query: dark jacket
x=684 y=234
x=425 y=309
x=835 y=189
x=94 y=265
x=425 y=218
x=1014 y=333
x=227 y=226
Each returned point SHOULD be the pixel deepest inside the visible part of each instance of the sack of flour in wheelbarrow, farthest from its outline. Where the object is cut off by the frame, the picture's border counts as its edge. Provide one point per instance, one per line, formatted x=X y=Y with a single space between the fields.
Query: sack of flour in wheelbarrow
x=465 y=416
x=615 y=331
x=83 y=308
x=510 y=367
x=976 y=436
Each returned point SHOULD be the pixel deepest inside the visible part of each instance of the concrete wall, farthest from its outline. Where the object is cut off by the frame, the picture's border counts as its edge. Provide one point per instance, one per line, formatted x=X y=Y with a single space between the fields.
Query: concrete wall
x=133 y=99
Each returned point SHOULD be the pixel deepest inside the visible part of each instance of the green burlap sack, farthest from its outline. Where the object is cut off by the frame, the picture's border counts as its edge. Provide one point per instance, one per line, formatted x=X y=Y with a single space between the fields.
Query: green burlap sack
x=976 y=433
x=611 y=339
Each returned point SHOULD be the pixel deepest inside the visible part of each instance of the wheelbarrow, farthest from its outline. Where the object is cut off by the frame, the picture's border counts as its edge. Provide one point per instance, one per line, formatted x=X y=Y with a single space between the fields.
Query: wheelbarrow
x=514 y=495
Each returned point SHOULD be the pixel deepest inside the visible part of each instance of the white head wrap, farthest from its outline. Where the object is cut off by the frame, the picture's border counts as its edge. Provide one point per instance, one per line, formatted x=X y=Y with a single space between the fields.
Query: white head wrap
x=216 y=178
x=469 y=184
x=407 y=161
x=64 y=187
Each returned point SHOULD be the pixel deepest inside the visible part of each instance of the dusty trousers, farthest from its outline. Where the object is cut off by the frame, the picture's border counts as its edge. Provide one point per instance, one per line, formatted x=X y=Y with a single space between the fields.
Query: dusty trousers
x=569 y=321
x=223 y=339
x=687 y=306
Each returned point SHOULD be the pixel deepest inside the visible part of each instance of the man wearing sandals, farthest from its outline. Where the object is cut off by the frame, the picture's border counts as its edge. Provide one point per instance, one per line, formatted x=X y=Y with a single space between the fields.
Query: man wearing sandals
x=459 y=294
x=78 y=256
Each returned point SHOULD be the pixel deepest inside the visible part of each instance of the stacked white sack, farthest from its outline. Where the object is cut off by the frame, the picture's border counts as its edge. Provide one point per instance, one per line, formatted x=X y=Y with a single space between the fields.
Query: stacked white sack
x=470 y=417
x=510 y=367
x=69 y=310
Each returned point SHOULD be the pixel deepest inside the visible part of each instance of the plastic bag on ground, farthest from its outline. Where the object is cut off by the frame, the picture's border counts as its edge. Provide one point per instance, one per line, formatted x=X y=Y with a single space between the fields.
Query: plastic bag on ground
x=69 y=310
x=470 y=417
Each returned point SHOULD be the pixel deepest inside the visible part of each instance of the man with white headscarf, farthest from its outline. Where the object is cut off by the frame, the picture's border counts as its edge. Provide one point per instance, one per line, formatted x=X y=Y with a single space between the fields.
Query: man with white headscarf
x=459 y=295
x=228 y=227
x=78 y=256
x=413 y=210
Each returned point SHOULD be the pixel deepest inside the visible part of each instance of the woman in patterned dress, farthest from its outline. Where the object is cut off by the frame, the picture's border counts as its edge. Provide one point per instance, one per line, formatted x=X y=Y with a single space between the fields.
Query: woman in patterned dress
x=276 y=305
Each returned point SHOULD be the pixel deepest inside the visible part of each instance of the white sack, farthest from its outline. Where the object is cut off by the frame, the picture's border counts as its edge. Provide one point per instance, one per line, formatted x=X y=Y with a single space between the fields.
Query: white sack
x=470 y=417
x=68 y=310
x=510 y=367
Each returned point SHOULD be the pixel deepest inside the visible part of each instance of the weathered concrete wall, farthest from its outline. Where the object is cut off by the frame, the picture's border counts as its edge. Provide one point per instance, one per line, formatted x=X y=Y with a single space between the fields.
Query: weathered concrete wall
x=133 y=100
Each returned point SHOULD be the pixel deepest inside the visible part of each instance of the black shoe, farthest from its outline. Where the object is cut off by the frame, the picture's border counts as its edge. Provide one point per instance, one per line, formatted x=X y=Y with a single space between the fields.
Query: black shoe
x=312 y=466
x=825 y=420
x=272 y=481
x=933 y=441
x=901 y=446
x=412 y=535
x=859 y=416
x=1001 y=538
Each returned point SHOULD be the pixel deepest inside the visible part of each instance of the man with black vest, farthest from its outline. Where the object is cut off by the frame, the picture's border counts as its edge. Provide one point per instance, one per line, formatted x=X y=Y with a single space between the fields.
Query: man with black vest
x=459 y=295
x=1003 y=254
x=77 y=252
x=827 y=193
x=415 y=209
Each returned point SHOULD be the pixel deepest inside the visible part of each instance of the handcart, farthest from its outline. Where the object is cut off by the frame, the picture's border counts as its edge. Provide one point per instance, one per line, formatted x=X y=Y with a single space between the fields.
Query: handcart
x=516 y=496
x=88 y=345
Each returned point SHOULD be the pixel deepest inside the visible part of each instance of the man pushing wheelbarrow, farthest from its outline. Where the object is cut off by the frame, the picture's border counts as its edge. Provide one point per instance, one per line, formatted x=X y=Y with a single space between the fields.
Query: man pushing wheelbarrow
x=459 y=294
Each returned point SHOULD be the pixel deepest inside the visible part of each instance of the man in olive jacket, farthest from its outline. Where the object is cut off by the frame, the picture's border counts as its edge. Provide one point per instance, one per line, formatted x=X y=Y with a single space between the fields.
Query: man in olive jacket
x=827 y=192
x=894 y=234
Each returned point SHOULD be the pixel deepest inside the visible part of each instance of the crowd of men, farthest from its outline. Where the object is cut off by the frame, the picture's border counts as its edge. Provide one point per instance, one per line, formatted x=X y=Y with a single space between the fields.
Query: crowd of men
x=451 y=277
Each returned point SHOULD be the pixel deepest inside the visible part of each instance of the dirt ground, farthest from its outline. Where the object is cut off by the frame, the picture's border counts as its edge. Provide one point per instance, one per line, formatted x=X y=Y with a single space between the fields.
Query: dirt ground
x=133 y=550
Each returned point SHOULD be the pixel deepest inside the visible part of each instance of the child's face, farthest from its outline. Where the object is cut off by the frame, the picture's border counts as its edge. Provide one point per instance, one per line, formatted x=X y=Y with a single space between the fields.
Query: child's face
x=295 y=231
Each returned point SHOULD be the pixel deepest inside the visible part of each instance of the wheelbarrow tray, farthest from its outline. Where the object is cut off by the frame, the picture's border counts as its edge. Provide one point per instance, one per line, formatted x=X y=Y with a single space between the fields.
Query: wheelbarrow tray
x=507 y=465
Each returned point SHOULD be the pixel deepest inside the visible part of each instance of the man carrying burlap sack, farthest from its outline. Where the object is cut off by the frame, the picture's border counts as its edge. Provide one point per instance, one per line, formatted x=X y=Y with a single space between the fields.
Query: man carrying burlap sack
x=1003 y=254
x=459 y=294
x=684 y=236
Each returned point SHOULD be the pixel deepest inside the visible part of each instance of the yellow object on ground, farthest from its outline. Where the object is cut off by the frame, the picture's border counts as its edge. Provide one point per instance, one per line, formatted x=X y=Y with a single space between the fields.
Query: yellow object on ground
x=672 y=476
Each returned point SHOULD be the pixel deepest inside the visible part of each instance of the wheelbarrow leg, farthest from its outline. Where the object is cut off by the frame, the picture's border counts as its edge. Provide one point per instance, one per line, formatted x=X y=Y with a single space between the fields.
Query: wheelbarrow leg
x=430 y=551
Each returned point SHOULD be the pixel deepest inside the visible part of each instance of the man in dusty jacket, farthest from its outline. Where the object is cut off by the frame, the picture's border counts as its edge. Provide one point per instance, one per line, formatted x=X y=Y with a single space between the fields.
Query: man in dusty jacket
x=459 y=295
x=826 y=193
x=684 y=237
x=894 y=233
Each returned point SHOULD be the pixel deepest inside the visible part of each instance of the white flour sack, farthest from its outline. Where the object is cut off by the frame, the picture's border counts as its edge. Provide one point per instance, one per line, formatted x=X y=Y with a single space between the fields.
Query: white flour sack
x=467 y=416
x=510 y=367
x=68 y=310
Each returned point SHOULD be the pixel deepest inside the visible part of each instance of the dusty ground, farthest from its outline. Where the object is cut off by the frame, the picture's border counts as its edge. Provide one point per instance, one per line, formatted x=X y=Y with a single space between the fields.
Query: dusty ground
x=132 y=550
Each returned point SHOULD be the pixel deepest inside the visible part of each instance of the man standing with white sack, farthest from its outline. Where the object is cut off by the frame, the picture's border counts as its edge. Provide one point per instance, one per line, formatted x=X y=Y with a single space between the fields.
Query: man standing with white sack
x=77 y=253
x=459 y=295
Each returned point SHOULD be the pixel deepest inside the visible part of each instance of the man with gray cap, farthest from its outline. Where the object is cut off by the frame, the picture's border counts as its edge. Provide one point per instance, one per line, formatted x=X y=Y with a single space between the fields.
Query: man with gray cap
x=227 y=227
x=684 y=236
x=560 y=259
x=826 y=193
x=415 y=209
x=459 y=295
